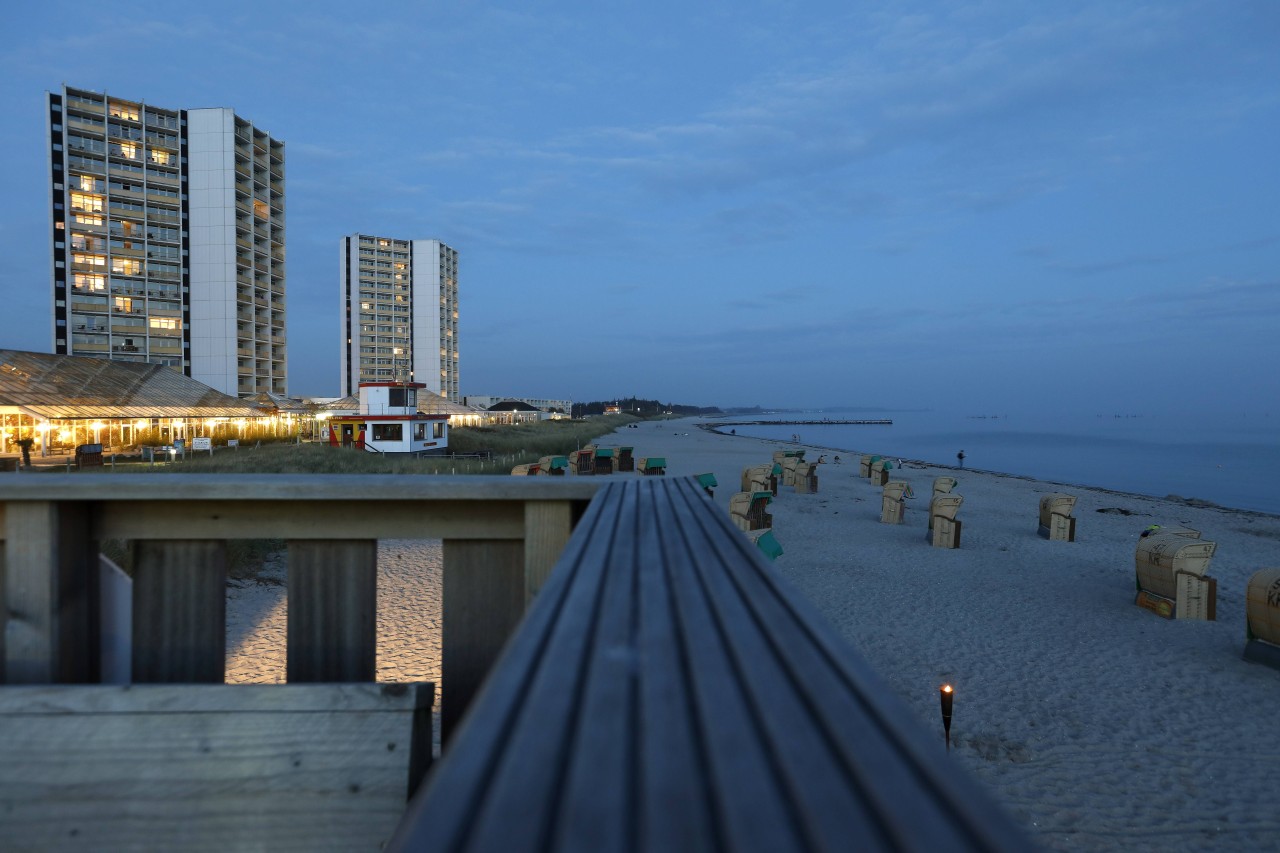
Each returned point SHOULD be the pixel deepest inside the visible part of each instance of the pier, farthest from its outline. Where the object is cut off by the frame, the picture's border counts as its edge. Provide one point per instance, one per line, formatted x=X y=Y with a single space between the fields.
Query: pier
x=881 y=422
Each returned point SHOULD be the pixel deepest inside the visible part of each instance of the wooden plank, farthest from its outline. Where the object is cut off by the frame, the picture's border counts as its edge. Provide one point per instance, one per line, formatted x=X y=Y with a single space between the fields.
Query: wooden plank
x=483 y=601
x=547 y=527
x=207 y=767
x=311 y=488
x=333 y=611
x=502 y=797
x=179 y=611
x=666 y=686
x=51 y=594
x=258 y=519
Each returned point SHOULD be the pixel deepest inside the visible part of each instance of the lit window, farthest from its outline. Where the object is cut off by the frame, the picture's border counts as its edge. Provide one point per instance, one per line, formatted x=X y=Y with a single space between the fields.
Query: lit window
x=91 y=203
x=89 y=260
x=89 y=281
x=126 y=266
x=124 y=111
x=164 y=158
x=124 y=304
x=88 y=183
x=128 y=149
x=164 y=322
x=86 y=219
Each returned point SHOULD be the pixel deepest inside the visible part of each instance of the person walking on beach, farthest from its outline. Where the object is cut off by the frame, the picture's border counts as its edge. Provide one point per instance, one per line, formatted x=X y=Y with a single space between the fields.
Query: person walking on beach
x=960 y=457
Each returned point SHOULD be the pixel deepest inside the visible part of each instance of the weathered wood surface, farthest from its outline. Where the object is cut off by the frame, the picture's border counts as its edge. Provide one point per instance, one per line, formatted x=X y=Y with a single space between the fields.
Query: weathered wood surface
x=484 y=600
x=180 y=611
x=333 y=611
x=668 y=692
x=50 y=583
x=49 y=524
x=208 y=767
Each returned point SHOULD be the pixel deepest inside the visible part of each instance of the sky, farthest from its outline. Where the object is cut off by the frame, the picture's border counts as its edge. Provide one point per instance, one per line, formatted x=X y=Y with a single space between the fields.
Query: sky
x=984 y=206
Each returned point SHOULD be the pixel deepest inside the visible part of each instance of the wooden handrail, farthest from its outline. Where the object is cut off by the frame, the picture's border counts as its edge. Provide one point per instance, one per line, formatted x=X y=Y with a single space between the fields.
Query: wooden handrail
x=501 y=535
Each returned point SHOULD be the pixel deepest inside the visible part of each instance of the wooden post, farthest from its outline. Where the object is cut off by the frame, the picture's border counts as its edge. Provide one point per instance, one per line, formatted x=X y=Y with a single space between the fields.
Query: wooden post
x=547 y=527
x=179 y=611
x=333 y=610
x=50 y=594
x=484 y=596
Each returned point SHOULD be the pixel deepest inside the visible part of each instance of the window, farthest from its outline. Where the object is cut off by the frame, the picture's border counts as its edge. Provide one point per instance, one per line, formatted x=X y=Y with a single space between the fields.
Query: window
x=437 y=429
x=124 y=111
x=419 y=431
x=88 y=281
x=388 y=432
x=124 y=304
x=402 y=397
x=89 y=260
x=91 y=203
x=164 y=322
x=126 y=266
x=86 y=219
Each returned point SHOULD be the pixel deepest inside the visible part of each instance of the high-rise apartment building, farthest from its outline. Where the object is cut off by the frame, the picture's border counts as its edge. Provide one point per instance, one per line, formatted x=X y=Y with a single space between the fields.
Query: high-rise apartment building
x=168 y=239
x=399 y=304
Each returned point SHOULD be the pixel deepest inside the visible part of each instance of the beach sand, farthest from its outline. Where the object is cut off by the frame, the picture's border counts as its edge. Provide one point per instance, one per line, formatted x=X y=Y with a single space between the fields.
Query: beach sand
x=1098 y=725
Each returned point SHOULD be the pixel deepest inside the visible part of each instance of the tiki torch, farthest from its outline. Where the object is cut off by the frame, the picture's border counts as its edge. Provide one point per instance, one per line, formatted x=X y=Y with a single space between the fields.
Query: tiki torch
x=946 y=694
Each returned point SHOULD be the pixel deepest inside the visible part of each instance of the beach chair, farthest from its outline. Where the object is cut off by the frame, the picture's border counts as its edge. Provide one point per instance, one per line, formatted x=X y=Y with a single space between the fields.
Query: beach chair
x=944 y=527
x=583 y=461
x=1056 y=521
x=880 y=469
x=755 y=478
x=864 y=464
x=766 y=542
x=749 y=510
x=625 y=461
x=893 y=506
x=708 y=483
x=1170 y=569
x=528 y=470
x=805 y=478
x=789 y=465
x=604 y=460
x=780 y=455
x=650 y=466
x=1262 y=618
x=553 y=466
x=944 y=485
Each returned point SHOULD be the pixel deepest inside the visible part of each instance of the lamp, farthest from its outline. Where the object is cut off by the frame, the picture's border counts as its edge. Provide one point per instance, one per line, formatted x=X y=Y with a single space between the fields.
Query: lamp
x=947 y=695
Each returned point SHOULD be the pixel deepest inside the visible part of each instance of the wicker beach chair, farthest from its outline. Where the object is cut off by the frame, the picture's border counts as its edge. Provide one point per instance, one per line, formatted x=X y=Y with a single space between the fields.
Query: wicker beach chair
x=1056 y=521
x=1171 y=579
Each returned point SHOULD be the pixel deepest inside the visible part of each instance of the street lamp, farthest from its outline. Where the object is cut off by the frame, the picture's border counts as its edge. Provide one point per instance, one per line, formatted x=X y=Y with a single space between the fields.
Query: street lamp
x=947 y=696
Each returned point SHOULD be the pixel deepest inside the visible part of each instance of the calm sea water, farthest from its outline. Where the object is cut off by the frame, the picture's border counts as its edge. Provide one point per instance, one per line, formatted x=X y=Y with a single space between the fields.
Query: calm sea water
x=1233 y=461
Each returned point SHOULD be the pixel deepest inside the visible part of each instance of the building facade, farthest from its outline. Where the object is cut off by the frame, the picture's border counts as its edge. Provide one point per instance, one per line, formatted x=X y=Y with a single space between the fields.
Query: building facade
x=168 y=239
x=547 y=405
x=399 y=310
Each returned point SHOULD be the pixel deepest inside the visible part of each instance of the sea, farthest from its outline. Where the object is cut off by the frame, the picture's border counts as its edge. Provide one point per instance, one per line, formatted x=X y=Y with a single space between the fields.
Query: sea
x=1229 y=460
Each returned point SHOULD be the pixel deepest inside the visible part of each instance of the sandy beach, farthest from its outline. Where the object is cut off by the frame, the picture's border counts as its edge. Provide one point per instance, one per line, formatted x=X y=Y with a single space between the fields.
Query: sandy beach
x=1098 y=725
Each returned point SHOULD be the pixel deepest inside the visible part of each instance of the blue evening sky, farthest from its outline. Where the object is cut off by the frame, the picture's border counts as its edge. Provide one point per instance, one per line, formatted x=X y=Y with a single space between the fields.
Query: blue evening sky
x=981 y=206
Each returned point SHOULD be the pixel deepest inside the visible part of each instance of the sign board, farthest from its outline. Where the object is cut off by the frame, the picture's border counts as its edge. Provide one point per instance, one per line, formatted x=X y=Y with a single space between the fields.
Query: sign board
x=202 y=443
x=233 y=442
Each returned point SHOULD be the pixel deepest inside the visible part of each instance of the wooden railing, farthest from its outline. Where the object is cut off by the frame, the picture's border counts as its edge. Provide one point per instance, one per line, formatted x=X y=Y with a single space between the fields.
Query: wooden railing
x=501 y=537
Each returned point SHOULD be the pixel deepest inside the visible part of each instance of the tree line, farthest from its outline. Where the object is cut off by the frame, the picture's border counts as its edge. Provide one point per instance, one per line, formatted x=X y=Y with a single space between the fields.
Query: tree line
x=641 y=408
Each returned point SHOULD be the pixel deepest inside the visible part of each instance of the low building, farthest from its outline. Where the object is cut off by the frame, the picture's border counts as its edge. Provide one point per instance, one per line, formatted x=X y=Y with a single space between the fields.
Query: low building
x=389 y=422
x=544 y=404
x=63 y=401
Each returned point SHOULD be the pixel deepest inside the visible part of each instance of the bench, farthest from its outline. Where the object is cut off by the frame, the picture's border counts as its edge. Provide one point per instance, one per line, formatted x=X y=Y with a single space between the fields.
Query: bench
x=1056 y=522
x=669 y=691
x=1170 y=568
x=210 y=766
